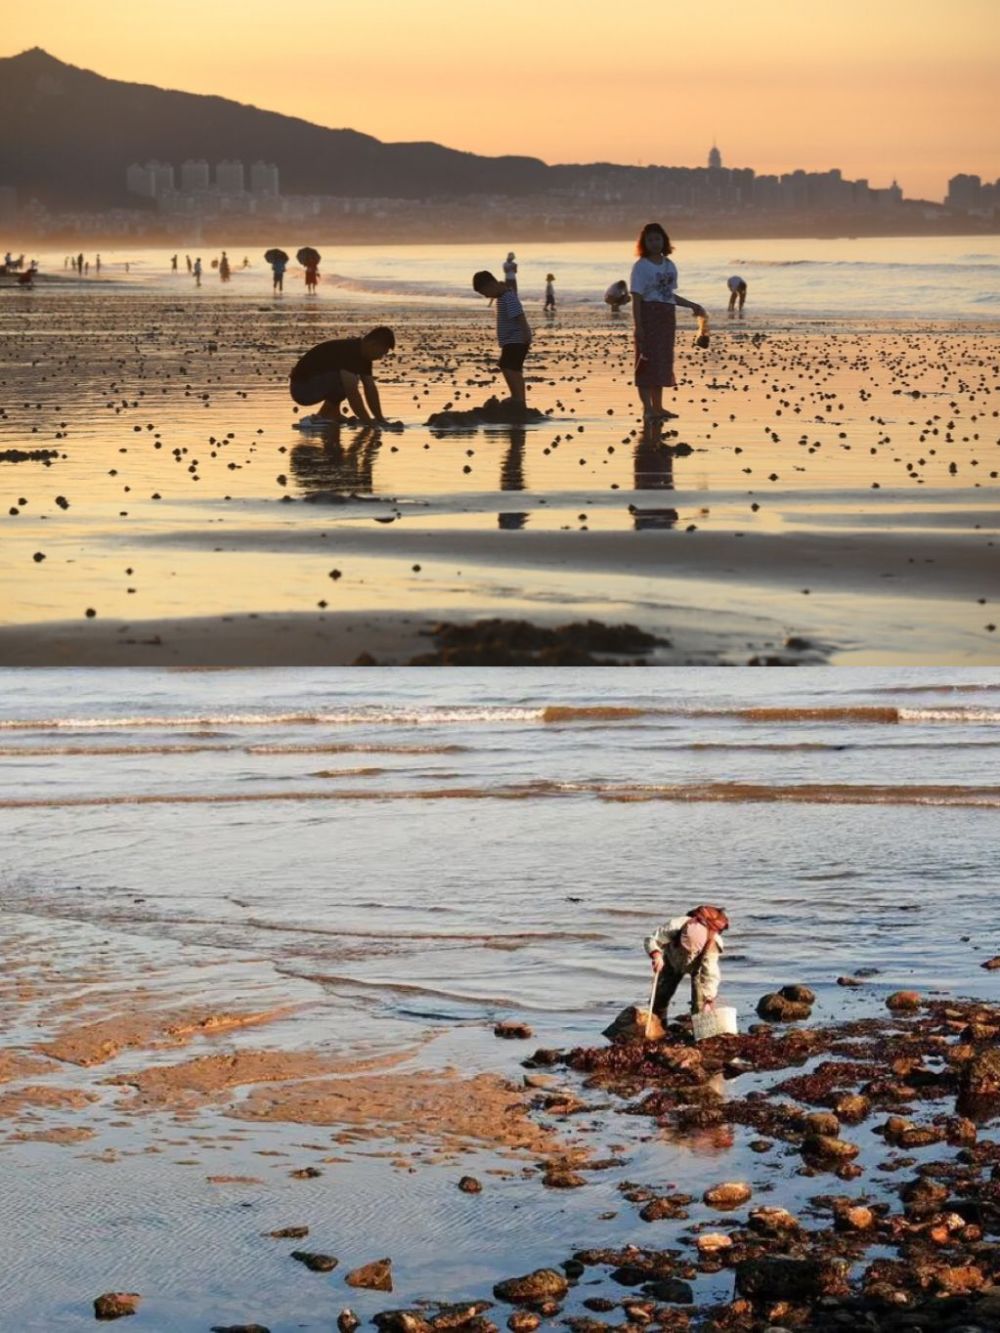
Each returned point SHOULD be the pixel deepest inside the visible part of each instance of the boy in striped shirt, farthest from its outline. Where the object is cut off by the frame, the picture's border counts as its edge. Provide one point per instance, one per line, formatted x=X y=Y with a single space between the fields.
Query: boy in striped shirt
x=513 y=331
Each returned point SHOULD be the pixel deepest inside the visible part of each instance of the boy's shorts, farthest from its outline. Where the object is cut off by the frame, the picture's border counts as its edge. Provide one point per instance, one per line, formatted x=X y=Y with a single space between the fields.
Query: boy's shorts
x=327 y=386
x=512 y=355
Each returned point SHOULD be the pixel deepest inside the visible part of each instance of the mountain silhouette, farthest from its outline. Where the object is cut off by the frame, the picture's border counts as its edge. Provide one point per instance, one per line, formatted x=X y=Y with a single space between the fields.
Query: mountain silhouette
x=70 y=134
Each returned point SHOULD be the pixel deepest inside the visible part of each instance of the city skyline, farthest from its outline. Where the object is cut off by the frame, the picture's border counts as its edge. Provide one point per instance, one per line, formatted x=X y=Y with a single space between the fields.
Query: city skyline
x=898 y=91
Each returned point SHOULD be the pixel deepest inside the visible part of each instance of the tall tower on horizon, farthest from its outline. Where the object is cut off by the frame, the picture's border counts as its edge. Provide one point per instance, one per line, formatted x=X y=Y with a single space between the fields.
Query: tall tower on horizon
x=714 y=158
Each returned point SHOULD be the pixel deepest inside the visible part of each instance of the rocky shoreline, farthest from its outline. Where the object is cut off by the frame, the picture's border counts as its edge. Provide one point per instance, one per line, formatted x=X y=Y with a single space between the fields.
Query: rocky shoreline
x=887 y=1114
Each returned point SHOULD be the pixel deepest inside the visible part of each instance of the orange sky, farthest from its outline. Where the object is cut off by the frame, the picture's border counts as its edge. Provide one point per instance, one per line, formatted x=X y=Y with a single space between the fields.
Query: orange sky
x=879 y=88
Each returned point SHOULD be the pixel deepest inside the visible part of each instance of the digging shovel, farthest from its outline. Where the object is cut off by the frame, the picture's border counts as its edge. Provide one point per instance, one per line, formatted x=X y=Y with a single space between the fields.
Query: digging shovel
x=652 y=997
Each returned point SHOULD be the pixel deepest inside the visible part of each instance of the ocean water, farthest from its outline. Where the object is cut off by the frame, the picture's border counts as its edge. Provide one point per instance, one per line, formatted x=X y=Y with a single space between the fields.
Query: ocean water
x=433 y=848
x=862 y=279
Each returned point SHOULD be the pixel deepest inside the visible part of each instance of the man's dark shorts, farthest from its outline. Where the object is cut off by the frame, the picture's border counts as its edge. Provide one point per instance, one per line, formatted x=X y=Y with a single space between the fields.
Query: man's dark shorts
x=327 y=386
x=512 y=356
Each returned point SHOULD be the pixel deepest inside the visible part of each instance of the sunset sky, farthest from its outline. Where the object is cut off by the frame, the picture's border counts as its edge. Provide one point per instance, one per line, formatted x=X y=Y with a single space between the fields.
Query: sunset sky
x=879 y=88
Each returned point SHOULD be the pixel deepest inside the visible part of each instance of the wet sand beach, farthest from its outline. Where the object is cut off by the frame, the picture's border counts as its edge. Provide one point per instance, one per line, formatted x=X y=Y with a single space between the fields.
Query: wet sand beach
x=825 y=492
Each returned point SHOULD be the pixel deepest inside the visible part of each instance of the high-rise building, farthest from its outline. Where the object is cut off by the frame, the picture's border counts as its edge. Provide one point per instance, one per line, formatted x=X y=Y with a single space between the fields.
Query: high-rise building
x=714 y=159
x=138 y=180
x=264 y=179
x=195 y=176
x=162 y=176
x=964 y=193
x=229 y=177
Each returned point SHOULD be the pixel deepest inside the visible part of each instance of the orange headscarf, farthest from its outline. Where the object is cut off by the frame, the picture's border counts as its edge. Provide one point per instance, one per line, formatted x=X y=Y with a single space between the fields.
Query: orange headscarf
x=713 y=919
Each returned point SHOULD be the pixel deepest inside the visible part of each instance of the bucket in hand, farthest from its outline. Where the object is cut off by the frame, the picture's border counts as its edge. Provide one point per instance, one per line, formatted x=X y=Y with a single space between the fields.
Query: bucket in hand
x=715 y=1023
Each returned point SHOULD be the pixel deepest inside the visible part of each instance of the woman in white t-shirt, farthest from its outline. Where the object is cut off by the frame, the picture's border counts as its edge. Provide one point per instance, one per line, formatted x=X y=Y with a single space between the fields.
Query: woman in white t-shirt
x=653 y=285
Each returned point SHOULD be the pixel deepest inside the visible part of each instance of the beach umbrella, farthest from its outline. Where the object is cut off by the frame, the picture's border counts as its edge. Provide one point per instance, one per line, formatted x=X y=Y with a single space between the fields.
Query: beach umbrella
x=273 y=256
x=307 y=255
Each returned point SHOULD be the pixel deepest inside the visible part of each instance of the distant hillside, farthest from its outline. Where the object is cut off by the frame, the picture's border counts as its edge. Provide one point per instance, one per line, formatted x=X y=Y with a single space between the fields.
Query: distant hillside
x=69 y=135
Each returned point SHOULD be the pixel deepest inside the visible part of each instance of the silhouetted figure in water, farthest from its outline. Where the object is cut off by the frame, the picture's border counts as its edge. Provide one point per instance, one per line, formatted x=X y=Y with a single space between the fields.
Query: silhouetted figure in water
x=341 y=369
x=737 y=294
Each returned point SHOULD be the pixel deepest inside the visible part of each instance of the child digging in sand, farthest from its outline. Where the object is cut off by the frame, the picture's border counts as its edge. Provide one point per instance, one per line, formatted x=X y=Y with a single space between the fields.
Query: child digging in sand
x=513 y=331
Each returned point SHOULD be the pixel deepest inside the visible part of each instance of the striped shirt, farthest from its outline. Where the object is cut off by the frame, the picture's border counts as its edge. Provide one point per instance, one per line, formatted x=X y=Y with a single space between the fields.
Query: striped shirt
x=509 y=327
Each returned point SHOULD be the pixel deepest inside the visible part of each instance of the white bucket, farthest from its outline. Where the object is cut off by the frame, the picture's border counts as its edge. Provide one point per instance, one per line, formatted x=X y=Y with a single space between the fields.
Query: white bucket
x=714 y=1023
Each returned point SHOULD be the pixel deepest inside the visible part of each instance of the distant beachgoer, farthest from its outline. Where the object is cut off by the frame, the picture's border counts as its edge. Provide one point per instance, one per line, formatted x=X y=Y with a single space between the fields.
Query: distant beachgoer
x=312 y=277
x=278 y=274
x=510 y=272
x=653 y=284
x=332 y=371
x=737 y=292
x=8 y=260
x=617 y=295
x=688 y=946
x=224 y=268
x=97 y=263
x=246 y=262
x=86 y=268
x=513 y=331
x=173 y=263
x=79 y=264
x=196 y=270
x=550 y=292
x=188 y=258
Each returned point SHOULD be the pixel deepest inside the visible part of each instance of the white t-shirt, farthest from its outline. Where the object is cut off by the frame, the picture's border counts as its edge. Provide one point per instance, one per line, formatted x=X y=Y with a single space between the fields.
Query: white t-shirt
x=509 y=269
x=735 y=283
x=654 y=282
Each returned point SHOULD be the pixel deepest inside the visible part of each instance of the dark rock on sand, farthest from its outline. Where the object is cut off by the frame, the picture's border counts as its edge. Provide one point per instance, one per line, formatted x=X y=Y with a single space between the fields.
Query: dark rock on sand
x=673 y=1290
x=523 y=1321
x=729 y=1195
x=561 y=1178
x=773 y=1221
x=347 y=1321
x=778 y=1008
x=783 y=1279
x=448 y=1319
x=798 y=994
x=316 y=1263
x=290 y=1233
x=470 y=1185
x=630 y=1026
x=116 y=1304
x=979 y=1082
x=827 y=1150
x=991 y=964
x=541 y=1285
x=376 y=1276
x=512 y=1031
x=903 y=1001
x=402 y=1321
x=27 y=455
x=822 y=1122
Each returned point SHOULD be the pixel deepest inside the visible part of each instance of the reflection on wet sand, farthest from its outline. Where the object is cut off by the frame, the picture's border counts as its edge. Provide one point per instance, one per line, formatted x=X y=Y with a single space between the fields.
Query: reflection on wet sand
x=653 y=463
x=327 y=464
x=512 y=476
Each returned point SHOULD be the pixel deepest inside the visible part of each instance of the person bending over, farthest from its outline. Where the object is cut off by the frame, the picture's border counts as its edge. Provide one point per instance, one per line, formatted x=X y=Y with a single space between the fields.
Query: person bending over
x=341 y=369
x=688 y=946
x=737 y=293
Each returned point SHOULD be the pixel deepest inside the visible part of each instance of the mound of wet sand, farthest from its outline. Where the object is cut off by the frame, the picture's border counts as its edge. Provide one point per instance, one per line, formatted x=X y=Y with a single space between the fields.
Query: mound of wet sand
x=494 y=412
x=499 y=642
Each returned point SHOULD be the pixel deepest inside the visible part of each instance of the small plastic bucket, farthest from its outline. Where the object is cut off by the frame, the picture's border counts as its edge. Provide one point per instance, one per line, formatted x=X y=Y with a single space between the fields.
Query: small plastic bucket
x=715 y=1023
